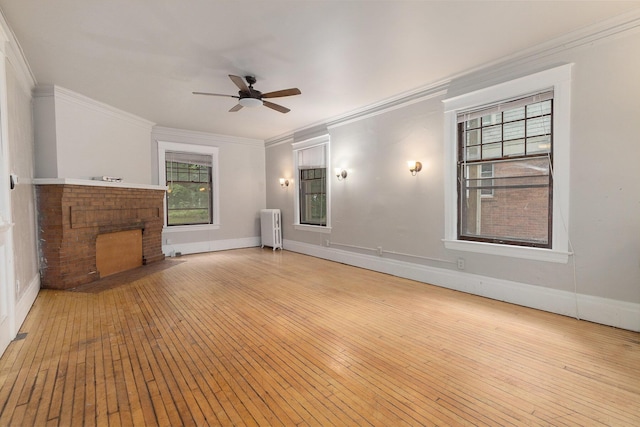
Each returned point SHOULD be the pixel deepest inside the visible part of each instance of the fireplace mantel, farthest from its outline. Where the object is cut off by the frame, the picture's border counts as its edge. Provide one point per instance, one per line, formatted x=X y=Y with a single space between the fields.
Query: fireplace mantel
x=95 y=183
x=73 y=212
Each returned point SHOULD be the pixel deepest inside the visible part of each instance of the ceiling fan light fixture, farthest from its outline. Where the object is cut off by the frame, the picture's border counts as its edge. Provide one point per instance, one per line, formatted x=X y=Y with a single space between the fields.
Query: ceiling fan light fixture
x=250 y=102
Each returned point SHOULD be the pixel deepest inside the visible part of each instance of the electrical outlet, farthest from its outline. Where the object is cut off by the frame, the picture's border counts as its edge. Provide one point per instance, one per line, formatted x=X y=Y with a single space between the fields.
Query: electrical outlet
x=168 y=241
x=327 y=243
x=379 y=250
x=460 y=263
x=17 y=286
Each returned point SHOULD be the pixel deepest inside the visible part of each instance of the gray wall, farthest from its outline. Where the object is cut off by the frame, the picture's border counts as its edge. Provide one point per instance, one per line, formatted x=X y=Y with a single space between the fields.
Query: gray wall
x=381 y=205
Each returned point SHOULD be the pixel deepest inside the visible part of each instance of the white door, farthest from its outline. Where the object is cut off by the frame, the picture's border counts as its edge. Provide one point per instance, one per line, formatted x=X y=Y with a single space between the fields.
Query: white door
x=7 y=290
x=6 y=297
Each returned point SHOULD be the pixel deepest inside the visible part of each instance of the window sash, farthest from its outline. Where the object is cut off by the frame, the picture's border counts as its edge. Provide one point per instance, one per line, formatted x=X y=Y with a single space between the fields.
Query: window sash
x=313 y=196
x=513 y=208
x=188 y=181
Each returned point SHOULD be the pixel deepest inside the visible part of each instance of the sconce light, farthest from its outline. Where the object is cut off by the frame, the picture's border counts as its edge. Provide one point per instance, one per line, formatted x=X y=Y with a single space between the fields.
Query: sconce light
x=414 y=167
x=340 y=173
x=284 y=182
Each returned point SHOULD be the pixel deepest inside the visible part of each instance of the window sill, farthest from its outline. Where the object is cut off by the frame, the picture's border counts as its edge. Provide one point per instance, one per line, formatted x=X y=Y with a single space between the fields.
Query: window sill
x=536 y=254
x=313 y=228
x=198 y=227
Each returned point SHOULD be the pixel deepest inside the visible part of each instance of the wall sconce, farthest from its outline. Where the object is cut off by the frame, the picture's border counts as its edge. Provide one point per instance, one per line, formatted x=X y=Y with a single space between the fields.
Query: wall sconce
x=284 y=182
x=340 y=173
x=414 y=167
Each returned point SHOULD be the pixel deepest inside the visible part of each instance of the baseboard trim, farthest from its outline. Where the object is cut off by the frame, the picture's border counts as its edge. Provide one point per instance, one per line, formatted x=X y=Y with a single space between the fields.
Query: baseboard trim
x=24 y=304
x=210 y=246
x=619 y=314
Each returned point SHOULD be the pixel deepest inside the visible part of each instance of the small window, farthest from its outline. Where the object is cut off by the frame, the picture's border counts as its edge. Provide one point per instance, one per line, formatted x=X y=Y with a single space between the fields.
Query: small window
x=505 y=183
x=189 y=188
x=313 y=196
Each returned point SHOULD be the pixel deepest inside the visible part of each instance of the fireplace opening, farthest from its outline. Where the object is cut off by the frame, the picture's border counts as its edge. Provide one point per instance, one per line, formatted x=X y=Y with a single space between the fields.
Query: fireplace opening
x=119 y=251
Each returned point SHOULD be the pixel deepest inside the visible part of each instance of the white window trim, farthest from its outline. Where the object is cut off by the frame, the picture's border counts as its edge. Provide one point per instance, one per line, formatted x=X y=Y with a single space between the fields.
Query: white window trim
x=297 y=146
x=163 y=147
x=559 y=79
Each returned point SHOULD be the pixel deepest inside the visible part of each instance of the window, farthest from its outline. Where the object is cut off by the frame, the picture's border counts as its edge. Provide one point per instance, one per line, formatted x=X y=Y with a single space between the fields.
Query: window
x=190 y=173
x=312 y=198
x=512 y=144
x=188 y=182
x=507 y=168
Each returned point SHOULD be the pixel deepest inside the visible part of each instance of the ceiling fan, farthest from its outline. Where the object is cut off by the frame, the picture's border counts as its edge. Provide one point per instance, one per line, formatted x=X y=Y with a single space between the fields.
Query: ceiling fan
x=250 y=97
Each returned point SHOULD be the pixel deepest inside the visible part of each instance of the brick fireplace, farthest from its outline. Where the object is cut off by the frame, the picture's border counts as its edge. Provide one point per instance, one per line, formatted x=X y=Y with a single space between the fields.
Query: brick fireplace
x=73 y=213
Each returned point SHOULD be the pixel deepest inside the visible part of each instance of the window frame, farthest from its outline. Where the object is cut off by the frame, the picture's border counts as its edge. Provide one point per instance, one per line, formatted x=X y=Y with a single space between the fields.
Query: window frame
x=557 y=79
x=163 y=148
x=323 y=141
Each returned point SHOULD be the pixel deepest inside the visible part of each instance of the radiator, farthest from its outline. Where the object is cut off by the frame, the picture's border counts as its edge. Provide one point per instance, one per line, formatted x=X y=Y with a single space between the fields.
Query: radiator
x=270 y=228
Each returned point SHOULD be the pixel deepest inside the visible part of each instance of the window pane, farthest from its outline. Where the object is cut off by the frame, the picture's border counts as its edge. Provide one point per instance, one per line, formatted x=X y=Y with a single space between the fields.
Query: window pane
x=473 y=153
x=491 y=119
x=513 y=115
x=539 y=126
x=473 y=137
x=473 y=123
x=514 y=130
x=539 y=144
x=492 y=151
x=491 y=134
x=519 y=206
x=514 y=148
x=539 y=108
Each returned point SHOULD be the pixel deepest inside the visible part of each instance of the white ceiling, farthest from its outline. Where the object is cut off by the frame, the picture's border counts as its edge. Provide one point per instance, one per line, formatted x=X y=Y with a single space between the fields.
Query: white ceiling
x=147 y=56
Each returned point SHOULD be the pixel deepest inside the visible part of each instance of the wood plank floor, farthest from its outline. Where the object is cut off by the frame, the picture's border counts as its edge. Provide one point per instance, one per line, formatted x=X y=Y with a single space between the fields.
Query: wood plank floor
x=252 y=337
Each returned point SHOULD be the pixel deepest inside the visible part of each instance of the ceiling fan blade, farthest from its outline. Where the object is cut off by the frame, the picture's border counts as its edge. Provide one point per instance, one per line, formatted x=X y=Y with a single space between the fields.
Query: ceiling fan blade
x=276 y=107
x=284 y=92
x=240 y=83
x=236 y=108
x=215 y=94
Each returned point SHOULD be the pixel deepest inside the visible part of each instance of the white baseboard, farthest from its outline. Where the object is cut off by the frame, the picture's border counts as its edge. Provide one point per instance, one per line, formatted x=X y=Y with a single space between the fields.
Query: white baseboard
x=210 y=246
x=619 y=314
x=26 y=301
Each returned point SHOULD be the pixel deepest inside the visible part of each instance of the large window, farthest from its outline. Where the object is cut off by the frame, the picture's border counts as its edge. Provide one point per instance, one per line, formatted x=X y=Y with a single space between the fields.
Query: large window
x=312 y=198
x=507 y=168
x=190 y=173
x=189 y=194
x=511 y=143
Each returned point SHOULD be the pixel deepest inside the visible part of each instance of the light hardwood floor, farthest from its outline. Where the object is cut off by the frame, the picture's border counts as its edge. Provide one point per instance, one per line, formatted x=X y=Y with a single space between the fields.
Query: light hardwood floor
x=253 y=337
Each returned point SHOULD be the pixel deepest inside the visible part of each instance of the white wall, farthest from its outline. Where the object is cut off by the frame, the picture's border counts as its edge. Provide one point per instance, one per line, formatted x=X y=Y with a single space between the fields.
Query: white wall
x=242 y=193
x=77 y=137
x=380 y=205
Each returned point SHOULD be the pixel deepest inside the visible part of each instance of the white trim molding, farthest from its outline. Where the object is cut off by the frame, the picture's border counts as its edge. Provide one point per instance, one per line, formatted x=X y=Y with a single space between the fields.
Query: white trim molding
x=210 y=246
x=66 y=95
x=620 y=314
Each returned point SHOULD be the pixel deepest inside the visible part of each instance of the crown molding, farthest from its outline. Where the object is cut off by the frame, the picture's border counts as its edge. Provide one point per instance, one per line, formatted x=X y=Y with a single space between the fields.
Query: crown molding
x=58 y=92
x=15 y=56
x=191 y=136
x=585 y=36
